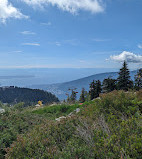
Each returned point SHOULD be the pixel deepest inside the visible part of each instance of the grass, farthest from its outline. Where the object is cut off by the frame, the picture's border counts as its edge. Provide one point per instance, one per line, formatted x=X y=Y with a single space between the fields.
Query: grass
x=52 y=112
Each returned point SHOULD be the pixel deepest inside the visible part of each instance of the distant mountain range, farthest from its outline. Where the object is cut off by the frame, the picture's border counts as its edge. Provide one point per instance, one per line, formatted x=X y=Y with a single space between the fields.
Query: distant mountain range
x=60 y=89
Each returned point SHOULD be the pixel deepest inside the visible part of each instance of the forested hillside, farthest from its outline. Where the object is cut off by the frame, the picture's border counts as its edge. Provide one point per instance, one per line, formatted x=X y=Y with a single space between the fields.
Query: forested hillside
x=13 y=95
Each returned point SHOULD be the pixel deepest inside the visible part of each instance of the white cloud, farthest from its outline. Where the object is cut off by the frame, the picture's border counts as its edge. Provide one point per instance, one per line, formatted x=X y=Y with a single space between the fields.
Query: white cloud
x=7 y=10
x=127 y=56
x=46 y=24
x=72 y=6
x=31 y=44
x=140 y=46
x=27 y=33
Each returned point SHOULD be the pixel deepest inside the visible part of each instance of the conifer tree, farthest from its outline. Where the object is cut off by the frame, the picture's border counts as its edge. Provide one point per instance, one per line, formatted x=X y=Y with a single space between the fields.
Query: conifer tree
x=109 y=85
x=138 y=80
x=92 y=90
x=82 y=96
x=95 y=89
x=124 y=82
x=98 y=88
x=73 y=96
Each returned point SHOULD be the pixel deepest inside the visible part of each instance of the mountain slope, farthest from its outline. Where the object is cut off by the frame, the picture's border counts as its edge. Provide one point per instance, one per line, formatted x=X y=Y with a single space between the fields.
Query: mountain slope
x=61 y=89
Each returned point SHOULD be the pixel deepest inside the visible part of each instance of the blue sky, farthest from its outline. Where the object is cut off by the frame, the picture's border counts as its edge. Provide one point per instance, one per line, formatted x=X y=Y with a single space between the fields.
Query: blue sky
x=70 y=33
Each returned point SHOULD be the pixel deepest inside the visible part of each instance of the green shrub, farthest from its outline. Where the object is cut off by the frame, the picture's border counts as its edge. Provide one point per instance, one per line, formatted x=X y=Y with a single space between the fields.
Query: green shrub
x=107 y=128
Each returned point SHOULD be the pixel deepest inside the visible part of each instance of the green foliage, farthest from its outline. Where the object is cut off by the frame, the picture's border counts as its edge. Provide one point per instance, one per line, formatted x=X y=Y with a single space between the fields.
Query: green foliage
x=109 y=85
x=19 y=105
x=82 y=96
x=52 y=112
x=124 y=82
x=73 y=97
x=92 y=90
x=120 y=101
x=109 y=127
x=98 y=88
x=95 y=89
x=14 y=122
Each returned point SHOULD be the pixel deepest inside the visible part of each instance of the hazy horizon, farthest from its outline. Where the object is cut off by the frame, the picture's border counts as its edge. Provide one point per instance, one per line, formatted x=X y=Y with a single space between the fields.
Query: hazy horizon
x=28 y=77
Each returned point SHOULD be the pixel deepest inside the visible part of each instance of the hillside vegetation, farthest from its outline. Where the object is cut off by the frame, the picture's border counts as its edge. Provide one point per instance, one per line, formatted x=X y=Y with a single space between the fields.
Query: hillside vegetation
x=109 y=127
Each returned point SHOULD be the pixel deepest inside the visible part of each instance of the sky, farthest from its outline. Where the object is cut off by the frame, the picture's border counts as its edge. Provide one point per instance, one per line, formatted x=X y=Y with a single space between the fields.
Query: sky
x=70 y=33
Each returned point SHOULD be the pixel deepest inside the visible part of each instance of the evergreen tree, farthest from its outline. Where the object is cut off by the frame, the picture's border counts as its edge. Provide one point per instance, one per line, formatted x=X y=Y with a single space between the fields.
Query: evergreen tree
x=124 y=82
x=73 y=96
x=95 y=89
x=92 y=90
x=82 y=96
x=109 y=85
x=138 y=80
x=98 y=88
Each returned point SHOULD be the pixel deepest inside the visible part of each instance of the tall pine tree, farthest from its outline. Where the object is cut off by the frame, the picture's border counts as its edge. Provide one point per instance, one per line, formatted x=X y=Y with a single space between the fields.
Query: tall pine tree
x=124 y=82
x=82 y=96
x=98 y=88
x=95 y=89
x=92 y=90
